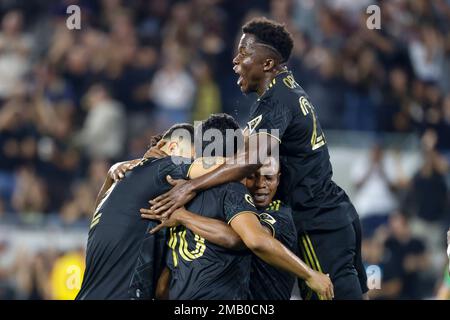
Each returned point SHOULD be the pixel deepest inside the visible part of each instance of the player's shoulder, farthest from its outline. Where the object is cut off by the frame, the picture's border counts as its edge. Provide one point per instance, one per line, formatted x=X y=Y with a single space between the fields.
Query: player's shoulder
x=234 y=187
x=279 y=217
x=283 y=94
x=286 y=87
x=278 y=206
x=227 y=188
x=278 y=210
x=236 y=191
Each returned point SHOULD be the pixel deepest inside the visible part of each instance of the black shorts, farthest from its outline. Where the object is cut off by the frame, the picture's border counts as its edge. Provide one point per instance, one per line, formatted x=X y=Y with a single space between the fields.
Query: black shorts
x=337 y=253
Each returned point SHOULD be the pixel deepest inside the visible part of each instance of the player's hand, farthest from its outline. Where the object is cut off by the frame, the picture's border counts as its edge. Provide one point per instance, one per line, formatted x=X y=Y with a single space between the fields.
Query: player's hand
x=181 y=193
x=155 y=151
x=321 y=284
x=118 y=170
x=173 y=221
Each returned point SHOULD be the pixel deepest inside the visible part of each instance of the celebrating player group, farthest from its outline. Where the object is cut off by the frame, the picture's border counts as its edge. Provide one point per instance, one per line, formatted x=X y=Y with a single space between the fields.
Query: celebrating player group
x=226 y=227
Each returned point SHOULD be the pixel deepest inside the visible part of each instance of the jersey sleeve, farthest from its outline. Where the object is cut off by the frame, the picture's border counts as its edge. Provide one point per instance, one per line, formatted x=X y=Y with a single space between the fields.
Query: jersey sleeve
x=176 y=167
x=237 y=200
x=279 y=221
x=267 y=220
x=272 y=117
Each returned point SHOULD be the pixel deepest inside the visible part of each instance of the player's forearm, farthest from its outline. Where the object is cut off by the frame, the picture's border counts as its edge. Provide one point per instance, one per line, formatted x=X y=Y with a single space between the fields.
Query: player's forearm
x=276 y=254
x=223 y=174
x=106 y=185
x=213 y=230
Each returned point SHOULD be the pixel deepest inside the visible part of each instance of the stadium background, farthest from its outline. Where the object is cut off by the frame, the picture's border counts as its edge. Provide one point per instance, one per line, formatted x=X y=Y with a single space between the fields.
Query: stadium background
x=74 y=101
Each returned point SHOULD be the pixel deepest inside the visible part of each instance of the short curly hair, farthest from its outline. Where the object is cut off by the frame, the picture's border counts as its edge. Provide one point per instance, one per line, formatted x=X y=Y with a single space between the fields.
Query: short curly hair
x=271 y=33
x=221 y=122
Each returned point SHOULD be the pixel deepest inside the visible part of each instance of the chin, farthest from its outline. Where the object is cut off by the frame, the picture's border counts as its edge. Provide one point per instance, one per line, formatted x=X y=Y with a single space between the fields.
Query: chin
x=244 y=90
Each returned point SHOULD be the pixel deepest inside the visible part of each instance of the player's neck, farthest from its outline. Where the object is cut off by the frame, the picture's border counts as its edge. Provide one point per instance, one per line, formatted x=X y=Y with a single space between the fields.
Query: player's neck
x=268 y=79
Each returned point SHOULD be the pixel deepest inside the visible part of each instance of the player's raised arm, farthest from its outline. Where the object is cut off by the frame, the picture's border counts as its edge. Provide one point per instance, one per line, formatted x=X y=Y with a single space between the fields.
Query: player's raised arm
x=115 y=173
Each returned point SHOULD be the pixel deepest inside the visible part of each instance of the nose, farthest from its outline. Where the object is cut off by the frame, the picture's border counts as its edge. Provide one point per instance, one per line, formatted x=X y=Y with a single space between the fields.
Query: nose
x=260 y=182
x=235 y=60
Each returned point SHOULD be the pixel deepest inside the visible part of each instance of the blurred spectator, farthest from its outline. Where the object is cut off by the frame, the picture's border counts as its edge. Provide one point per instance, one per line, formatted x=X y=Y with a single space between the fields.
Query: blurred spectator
x=318 y=71
x=30 y=194
x=15 y=47
x=172 y=90
x=403 y=259
x=393 y=113
x=375 y=254
x=79 y=208
x=32 y=273
x=207 y=100
x=360 y=73
x=412 y=257
x=429 y=190
x=427 y=54
x=103 y=132
x=374 y=179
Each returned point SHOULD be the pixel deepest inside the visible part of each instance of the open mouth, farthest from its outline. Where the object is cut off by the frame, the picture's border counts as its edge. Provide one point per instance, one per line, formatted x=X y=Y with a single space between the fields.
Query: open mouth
x=239 y=81
x=241 y=78
x=260 y=196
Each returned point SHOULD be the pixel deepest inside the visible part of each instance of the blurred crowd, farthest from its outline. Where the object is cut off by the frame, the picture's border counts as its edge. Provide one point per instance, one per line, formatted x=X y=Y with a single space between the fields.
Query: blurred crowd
x=72 y=102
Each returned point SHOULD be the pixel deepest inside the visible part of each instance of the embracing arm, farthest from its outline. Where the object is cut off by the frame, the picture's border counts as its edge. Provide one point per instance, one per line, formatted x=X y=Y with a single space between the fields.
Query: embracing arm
x=213 y=230
x=266 y=247
x=276 y=254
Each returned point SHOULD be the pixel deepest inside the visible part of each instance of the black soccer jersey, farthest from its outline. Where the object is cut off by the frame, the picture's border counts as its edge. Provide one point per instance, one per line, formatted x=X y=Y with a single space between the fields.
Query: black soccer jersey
x=123 y=261
x=201 y=270
x=306 y=185
x=266 y=281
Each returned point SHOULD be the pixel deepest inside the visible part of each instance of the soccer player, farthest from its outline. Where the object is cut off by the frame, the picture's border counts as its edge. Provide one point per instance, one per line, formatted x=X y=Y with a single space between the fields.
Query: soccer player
x=266 y=281
x=124 y=261
x=327 y=223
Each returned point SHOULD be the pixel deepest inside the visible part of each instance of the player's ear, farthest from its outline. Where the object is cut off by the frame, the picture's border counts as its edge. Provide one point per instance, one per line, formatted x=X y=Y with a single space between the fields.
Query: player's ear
x=269 y=64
